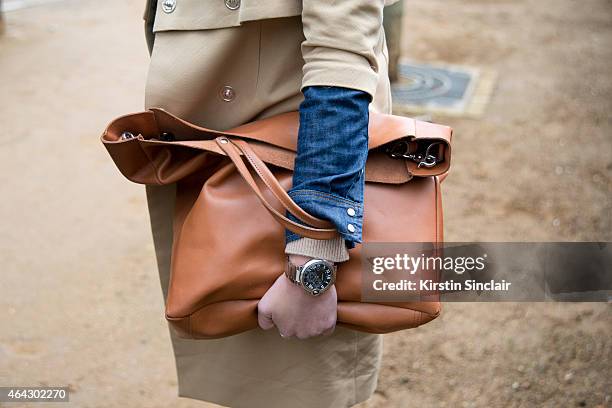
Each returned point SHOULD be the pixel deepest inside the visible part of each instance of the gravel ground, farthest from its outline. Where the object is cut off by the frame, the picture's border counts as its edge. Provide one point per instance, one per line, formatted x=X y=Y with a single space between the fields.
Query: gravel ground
x=80 y=300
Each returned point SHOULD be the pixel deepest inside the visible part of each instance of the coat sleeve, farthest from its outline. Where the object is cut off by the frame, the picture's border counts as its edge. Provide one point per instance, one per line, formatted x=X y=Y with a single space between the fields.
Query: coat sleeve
x=341 y=40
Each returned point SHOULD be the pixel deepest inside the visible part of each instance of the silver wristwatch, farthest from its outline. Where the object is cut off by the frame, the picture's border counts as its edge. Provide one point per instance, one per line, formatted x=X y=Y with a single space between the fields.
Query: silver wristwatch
x=315 y=276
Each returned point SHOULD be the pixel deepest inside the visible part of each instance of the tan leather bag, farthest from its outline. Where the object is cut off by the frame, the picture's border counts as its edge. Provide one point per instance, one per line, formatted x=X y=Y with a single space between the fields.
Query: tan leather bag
x=230 y=212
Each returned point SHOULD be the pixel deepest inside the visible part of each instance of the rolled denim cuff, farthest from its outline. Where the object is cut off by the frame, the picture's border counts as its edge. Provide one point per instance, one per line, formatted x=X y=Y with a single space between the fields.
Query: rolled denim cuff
x=345 y=214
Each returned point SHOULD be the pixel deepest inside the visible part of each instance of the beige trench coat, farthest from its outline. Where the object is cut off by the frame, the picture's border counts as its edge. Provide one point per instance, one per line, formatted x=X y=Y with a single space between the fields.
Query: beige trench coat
x=220 y=68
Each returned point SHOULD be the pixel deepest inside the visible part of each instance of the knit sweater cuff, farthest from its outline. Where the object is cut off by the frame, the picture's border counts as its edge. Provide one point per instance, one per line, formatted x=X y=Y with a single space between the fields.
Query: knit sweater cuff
x=329 y=249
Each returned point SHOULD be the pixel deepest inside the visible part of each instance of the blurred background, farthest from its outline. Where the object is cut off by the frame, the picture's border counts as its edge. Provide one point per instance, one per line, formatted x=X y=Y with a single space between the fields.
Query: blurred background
x=80 y=302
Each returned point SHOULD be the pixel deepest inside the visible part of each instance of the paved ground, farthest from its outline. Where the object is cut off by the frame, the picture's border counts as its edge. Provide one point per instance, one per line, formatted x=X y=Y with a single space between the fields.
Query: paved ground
x=80 y=302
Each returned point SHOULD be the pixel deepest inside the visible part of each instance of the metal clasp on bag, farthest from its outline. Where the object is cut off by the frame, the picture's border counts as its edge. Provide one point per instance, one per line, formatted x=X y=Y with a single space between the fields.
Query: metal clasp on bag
x=163 y=136
x=401 y=150
x=126 y=135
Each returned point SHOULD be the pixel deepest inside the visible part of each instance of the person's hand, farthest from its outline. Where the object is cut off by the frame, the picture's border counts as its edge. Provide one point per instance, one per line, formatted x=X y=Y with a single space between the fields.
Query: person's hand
x=296 y=313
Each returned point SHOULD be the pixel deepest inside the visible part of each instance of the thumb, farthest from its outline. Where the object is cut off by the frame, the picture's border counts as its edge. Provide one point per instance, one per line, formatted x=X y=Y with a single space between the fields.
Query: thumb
x=264 y=317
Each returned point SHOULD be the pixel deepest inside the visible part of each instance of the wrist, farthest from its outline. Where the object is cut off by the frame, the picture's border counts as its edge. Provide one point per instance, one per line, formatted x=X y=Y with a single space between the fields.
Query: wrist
x=298 y=259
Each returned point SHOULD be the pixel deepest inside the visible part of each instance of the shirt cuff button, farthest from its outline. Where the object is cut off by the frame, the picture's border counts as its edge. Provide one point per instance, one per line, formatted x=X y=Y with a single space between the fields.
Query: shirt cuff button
x=351 y=212
x=350 y=227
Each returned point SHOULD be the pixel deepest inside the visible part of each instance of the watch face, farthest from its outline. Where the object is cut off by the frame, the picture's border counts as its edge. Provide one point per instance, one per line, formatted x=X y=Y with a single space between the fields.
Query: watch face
x=317 y=276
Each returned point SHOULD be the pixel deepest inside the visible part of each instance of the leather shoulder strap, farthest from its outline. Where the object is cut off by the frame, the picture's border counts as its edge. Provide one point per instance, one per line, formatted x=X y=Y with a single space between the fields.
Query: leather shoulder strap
x=235 y=150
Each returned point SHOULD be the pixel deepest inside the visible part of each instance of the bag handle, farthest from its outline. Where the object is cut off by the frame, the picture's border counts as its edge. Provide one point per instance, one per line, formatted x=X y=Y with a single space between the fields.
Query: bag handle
x=235 y=149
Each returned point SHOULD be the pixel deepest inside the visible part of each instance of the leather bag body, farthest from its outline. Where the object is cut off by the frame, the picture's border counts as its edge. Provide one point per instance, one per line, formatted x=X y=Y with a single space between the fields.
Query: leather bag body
x=230 y=210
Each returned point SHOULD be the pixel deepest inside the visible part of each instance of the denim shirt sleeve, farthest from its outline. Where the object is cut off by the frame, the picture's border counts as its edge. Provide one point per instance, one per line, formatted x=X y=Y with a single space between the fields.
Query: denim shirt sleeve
x=329 y=173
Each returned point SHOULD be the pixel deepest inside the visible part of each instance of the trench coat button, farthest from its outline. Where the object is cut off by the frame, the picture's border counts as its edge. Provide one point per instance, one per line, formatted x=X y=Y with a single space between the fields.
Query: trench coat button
x=351 y=212
x=232 y=4
x=168 y=6
x=227 y=93
x=350 y=227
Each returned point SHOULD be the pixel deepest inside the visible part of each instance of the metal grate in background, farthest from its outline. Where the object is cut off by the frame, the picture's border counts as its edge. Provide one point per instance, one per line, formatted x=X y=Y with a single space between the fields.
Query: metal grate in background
x=442 y=89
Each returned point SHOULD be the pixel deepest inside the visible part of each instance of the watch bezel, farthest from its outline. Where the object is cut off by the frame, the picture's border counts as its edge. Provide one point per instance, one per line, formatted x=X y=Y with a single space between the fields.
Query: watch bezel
x=309 y=264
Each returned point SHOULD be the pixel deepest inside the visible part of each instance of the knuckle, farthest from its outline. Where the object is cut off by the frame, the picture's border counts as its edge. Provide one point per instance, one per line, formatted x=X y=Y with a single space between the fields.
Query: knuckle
x=286 y=331
x=303 y=335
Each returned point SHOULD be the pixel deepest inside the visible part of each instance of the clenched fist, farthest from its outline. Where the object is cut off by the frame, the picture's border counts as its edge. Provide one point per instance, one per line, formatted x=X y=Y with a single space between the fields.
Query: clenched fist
x=296 y=313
